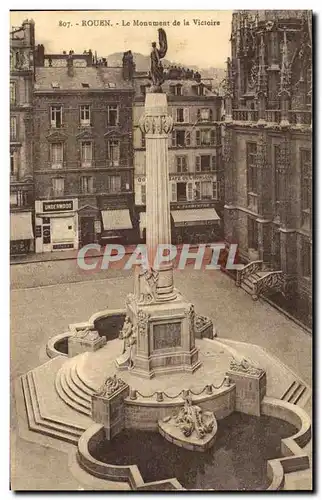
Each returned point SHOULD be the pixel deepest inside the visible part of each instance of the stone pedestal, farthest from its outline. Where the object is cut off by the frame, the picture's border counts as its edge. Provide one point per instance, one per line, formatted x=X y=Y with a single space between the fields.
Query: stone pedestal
x=83 y=341
x=165 y=337
x=108 y=406
x=250 y=389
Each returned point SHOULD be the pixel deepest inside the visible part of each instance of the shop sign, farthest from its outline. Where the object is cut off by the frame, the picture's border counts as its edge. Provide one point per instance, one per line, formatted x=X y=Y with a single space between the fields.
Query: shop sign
x=185 y=206
x=63 y=246
x=57 y=206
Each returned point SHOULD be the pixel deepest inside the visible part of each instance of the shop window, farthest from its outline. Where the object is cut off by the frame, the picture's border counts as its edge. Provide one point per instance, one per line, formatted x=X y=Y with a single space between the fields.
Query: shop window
x=112 y=115
x=86 y=184
x=85 y=116
x=57 y=155
x=181 y=163
x=58 y=186
x=86 y=153
x=114 y=183
x=56 y=116
x=113 y=152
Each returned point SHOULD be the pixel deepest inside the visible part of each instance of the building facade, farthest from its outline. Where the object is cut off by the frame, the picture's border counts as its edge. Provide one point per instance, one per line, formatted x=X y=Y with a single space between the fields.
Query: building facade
x=83 y=154
x=267 y=146
x=196 y=177
x=22 y=42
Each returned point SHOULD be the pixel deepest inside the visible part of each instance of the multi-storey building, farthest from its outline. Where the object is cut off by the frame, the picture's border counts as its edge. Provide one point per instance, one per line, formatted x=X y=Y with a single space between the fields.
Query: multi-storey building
x=22 y=42
x=195 y=163
x=267 y=151
x=83 y=161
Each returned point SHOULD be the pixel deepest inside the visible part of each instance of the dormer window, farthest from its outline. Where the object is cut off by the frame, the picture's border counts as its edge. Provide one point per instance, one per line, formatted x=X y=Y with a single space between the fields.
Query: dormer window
x=200 y=89
x=55 y=85
x=111 y=85
x=176 y=89
x=85 y=85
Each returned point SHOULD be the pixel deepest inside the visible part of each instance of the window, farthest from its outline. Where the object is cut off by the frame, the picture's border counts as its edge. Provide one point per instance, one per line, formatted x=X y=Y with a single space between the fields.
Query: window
x=113 y=152
x=180 y=115
x=56 y=115
x=204 y=115
x=112 y=116
x=12 y=92
x=200 y=89
x=306 y=186
x=142 y=140
x=251 y=151
x=20 y=198
x=85 y=85
x=85 y=115
x=173 y=191
x=143 y=194
x=189 y=191
x=206 y=137
x=206 y=190
x=86 y=154
x=58 y=186
x=203 y=163
x=176 y=89
x=86 y=184
x=215 y=190
x=55 y=85
x=114 y=183
x=12 y=163
x=143 y=89
x=182 y=191
x=252 y=234
x=181 y=164
x=57 y=155
x=180 y=138
x=306 y=259
x=13 y=128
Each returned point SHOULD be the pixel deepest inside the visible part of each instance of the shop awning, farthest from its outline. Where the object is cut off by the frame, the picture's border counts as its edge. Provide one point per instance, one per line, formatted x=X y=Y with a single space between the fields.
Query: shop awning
x=116 y=219
x=193 y=217
x=21 y=226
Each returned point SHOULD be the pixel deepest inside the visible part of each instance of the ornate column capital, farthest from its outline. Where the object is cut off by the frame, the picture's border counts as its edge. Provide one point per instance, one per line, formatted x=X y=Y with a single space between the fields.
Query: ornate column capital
x=158 y=125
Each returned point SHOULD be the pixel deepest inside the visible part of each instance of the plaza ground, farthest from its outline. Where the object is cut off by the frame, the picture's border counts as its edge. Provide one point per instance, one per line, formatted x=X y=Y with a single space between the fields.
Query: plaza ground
x=46 y=297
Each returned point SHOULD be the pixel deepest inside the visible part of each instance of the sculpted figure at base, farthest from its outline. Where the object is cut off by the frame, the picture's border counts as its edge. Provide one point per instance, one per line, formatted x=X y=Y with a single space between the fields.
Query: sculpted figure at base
x=128 y=335
x=111 y=385
x=147 y=286
x=192 y=419
x=156 y=72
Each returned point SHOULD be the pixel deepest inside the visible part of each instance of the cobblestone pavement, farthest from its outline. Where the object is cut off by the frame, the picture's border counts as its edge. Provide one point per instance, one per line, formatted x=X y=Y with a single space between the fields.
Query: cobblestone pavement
x=39 y=313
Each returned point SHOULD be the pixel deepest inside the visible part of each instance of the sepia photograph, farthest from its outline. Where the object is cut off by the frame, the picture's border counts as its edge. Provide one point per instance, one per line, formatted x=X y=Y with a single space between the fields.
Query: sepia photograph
x=161 y=250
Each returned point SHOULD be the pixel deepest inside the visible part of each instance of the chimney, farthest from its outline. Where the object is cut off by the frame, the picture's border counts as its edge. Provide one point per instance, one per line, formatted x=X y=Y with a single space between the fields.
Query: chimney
x=70 y=66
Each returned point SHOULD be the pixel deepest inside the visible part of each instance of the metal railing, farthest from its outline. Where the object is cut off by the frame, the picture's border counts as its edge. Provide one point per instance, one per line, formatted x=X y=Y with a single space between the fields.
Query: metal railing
x=249 y=269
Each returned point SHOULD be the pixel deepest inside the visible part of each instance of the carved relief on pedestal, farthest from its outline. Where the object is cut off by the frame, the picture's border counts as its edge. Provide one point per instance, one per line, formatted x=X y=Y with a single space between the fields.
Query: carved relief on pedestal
x=147 y=286
x=87 y=334
x=110 y=386
x=245 y=366
x=142 y=324
x=162 y=124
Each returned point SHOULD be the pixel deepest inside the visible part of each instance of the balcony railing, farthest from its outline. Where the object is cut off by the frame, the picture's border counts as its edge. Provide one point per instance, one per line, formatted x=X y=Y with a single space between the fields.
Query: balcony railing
x=245 y=115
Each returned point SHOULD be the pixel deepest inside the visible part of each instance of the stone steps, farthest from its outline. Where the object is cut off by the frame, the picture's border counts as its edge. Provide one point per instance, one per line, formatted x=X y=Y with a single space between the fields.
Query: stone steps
x=44 y=425
x=70 y=391
x=295 y=393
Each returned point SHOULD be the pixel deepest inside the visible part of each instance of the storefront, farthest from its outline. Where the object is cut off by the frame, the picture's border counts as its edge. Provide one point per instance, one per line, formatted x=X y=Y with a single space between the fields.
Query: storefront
x=90 y=225
x=56 y=225
x=21 y=233
x=117 y=226
x=201 y=224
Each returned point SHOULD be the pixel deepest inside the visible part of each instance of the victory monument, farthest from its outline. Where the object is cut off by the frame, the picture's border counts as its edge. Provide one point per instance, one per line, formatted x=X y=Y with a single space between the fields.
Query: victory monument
x=153 y=365
x=162 y=320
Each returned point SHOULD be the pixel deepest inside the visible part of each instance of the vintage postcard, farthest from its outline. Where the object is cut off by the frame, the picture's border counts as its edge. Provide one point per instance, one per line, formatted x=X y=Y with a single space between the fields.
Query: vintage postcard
x=161 y=250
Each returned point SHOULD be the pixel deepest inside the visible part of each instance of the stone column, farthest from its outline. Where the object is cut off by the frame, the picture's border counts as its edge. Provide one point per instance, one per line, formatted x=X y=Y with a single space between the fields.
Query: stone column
x=156 y=124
